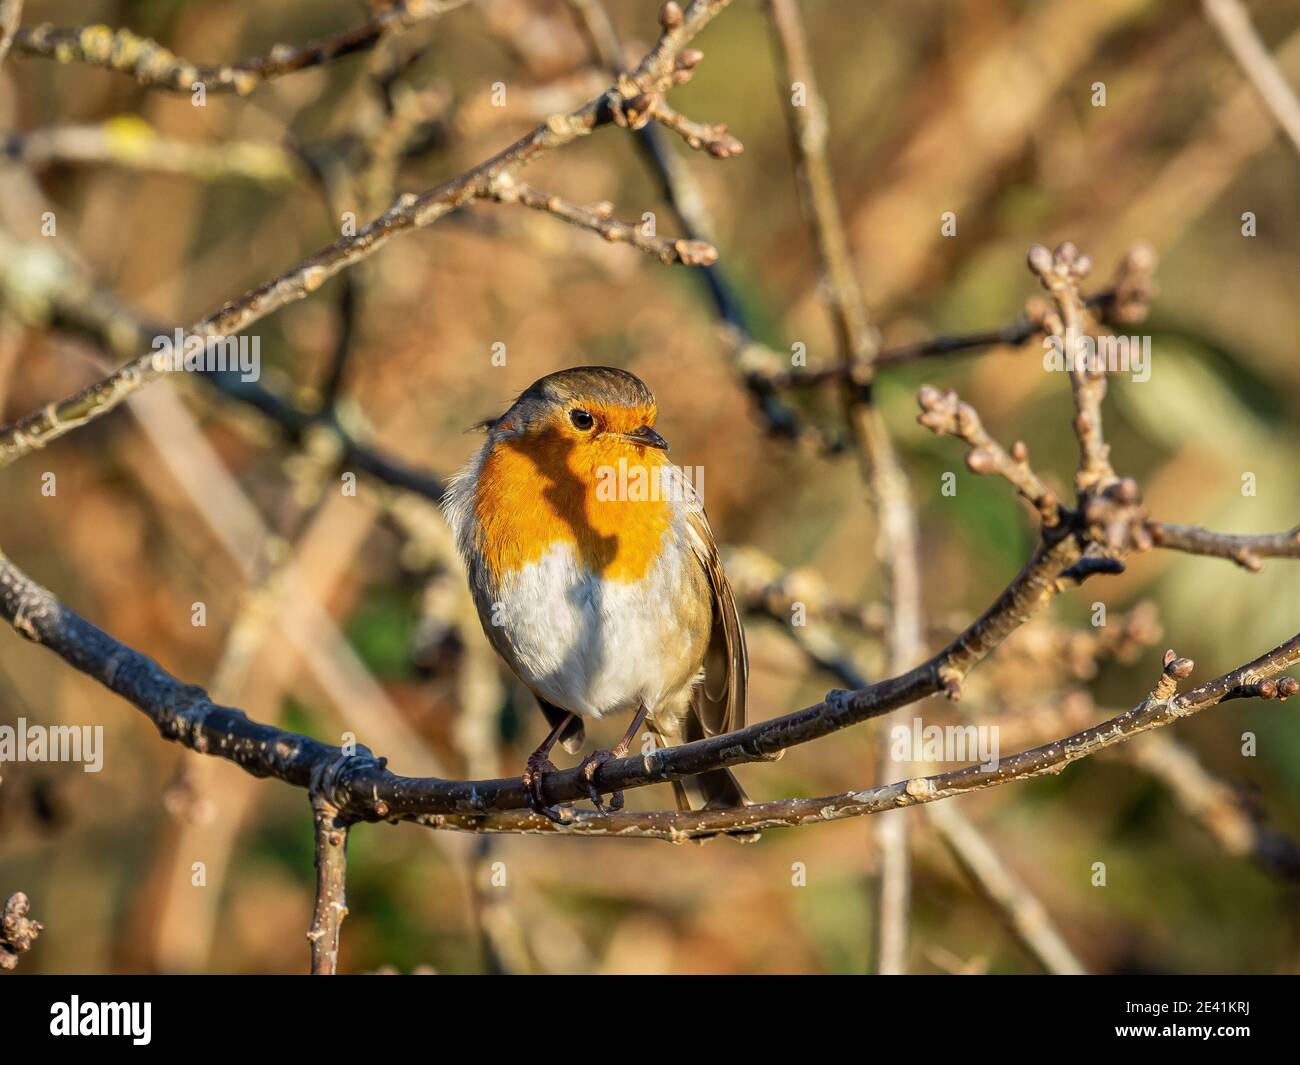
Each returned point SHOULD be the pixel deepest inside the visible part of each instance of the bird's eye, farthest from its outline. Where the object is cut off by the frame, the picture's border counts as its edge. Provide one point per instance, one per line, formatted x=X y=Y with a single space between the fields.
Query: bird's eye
x=581 y=419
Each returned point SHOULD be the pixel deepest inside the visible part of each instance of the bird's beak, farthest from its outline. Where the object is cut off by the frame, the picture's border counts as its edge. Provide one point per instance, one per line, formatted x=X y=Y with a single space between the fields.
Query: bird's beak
x=645 y=437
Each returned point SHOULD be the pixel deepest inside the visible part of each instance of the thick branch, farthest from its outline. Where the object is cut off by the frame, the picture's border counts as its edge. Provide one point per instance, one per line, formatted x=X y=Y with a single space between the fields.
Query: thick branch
x=361 y=787
x=1050 y=758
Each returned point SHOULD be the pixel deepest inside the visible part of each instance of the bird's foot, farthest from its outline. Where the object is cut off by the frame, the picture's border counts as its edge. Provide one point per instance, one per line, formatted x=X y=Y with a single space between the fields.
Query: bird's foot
x=537 y=765
x=590 y=766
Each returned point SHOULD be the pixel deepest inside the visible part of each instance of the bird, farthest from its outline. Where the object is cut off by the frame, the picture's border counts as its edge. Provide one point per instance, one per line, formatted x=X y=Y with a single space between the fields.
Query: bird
x=597 y=579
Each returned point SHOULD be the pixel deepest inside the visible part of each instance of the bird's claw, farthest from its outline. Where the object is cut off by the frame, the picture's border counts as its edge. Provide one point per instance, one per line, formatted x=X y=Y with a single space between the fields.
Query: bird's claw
x=590 y=766
x=537 y=765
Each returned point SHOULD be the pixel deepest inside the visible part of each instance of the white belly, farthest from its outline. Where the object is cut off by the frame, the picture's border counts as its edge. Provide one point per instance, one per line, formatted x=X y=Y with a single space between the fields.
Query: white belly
x=595 y=646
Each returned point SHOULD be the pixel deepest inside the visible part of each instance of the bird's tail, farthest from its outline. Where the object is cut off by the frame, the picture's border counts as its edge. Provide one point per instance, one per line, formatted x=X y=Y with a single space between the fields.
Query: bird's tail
x=715 y=789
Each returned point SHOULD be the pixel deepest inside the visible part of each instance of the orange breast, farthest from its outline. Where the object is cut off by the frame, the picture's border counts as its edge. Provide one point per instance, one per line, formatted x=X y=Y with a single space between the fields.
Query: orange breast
x=545 y=489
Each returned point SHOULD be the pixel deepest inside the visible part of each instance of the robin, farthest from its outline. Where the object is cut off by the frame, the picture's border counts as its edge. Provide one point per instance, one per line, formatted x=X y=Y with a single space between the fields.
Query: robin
x=597 y=578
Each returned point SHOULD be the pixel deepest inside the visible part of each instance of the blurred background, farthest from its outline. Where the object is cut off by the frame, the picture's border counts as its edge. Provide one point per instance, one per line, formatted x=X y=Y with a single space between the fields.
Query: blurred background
x=344 y=615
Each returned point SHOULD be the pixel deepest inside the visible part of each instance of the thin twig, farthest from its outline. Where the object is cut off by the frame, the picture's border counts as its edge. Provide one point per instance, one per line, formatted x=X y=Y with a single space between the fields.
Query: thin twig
x=945 y=413
x=713 y=138
x=154 y=65
x=331 y=887
x=1060 y=273
x=11 y=13
x=1232 y=22
x=1026 y=916
x=1247 y=551
x=1214 y=804
x=598 y=219
x=808 y=129
x=601 y=35
x=1024 y=913
x=408 y=213
x=131 y=143
x=754 y=360
x=45 y=289
x=17 y=930
x=881 y=469
x=1014 y=334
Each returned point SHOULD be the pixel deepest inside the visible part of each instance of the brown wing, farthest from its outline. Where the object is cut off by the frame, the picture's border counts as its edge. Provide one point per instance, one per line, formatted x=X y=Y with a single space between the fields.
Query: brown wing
x=720 y=699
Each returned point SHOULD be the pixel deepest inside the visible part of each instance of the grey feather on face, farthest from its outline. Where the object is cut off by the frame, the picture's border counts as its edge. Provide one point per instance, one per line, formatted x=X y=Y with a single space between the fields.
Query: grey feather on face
x=599 y=384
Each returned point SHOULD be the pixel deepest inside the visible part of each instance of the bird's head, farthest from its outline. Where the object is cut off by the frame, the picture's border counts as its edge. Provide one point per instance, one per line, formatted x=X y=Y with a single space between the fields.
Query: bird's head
x=590 y=414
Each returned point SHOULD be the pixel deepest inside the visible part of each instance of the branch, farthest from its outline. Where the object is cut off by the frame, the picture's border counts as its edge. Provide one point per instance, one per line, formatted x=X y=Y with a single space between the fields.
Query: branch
x=946 y=414
x=130 y=142
x=153 y=65
x=754 y=360
x=1060 y=272
x=1232 y=22
x=361 y=788
x=712 y=138
x=808 y=128
x=878 y=460
x=331 y=890
x=1050 y=758
x=1026 y=916
x=11 y=13
x=1214 y=804
x=602 y=37
x=1024 y=913
x=44 y=289
x=598 y=220
x=1125 y=301
x=17 y=930
x=649 y=104
x=1247 y=551
x=408 y=213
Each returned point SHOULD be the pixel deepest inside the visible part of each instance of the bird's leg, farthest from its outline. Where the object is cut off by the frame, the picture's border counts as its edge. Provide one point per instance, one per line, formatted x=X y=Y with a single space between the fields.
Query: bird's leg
x=591 y=764
x=539 y=762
